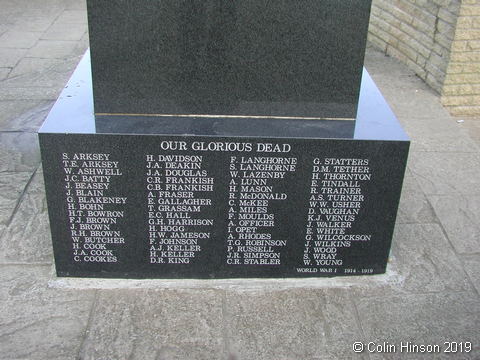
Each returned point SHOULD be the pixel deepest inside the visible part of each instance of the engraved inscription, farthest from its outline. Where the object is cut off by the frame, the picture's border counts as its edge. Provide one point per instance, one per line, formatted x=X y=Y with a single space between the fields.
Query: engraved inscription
x=94 y=207
x=178 y=192
x=253 y=189
x=335 y=201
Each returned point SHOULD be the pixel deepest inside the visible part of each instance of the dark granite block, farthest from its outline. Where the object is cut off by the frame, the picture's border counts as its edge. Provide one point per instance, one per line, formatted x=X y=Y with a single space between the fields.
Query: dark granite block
x=215 y=203
x=285 y=58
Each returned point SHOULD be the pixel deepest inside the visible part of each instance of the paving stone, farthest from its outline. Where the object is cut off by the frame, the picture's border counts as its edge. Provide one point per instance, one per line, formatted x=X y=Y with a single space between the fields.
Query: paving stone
x=44 y=8
x=414 y=206
x=56 y=49
x=413 y=103
x=38 y=322
x=19 y=152
x=4 y=72
x=10 y=57
x=12 y=109
x=82 y=46
x=460 y=217
x=23 y=115
x=73 y=17
x=29 y=93
x=424 y=261
x=400 y=80
x=65 y=31
x=52 y=77
x=471 y=264
x=389 y=72
x=67 y=66
x=34 y=24
x=11 y=187
x=438 y=134
x=443 y=173
x=150 y=324
x=3 y=27
x=291 y=324
x=75 y=5
x=55 y=74
x=29 y=65
x=472 y=127
x=422 y=319
x=27 y=238
x=19 y=39
x=378 y=63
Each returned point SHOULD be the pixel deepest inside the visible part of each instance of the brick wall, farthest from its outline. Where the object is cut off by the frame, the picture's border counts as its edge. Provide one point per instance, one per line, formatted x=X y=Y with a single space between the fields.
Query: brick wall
x=439 y=40
x=461 y=89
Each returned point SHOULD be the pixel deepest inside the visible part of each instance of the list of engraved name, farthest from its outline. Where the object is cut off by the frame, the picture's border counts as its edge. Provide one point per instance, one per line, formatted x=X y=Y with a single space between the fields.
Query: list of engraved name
x=335 y=201
x=253 y=190
x=250 y=206
x=178 y=192
x=95 y=210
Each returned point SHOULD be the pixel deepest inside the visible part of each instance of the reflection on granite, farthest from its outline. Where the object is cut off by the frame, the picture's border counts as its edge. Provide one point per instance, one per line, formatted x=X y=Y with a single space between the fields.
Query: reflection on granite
x=225 y=126
x=250 y=57
x=375 y=120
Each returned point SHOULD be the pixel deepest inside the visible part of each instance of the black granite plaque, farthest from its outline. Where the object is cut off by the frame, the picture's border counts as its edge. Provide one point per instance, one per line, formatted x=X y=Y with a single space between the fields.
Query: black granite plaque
x=256 y=58
x=220 y=202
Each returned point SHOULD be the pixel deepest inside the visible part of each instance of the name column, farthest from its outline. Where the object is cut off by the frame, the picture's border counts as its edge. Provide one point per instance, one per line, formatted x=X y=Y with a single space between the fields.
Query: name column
x=252 y=221
x=335 y=202
x=95 y=210
x=178 y=194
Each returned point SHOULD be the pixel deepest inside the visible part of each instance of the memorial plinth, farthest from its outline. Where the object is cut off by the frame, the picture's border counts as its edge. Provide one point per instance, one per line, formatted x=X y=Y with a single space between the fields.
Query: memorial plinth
x=248 y=59
x=214 y=197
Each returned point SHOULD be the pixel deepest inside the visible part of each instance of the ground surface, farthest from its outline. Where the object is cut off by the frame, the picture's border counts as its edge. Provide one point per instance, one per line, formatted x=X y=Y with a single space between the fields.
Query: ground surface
x=432 y=297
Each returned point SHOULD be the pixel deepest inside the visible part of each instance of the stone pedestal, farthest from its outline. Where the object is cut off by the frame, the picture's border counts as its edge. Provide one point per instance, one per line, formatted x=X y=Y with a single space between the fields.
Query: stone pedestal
x=219 y=197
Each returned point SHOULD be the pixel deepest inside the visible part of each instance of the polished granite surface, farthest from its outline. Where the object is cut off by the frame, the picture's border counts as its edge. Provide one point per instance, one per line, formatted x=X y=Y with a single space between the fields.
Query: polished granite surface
x=283 y=58
x=73 y=114
x=377 y=152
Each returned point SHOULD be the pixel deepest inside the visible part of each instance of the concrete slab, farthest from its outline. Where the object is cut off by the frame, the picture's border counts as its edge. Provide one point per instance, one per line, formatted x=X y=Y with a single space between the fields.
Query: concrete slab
x=30 y=65
x=447 y=135
x=426 y=262
x=291 y=324
x=4 y=73
x=3 y=28
x=12 y=186
x=379 y=64
x=23 y=115
x=26 y=239
x=472 y=126
x=472 y=267
x=29 y=93
x=51 y=77
x=150 y=324
x=65 y=31
x=426 y=319
x=414 y=206
x=18 y=152
x=52 y=49
x=19 y=39
x=34 y=24
x=413 y=103
x=38 y=322
x=460 y=217
x=75 y=5
x=446 y=173
x=73 y=16
x=10 y=57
